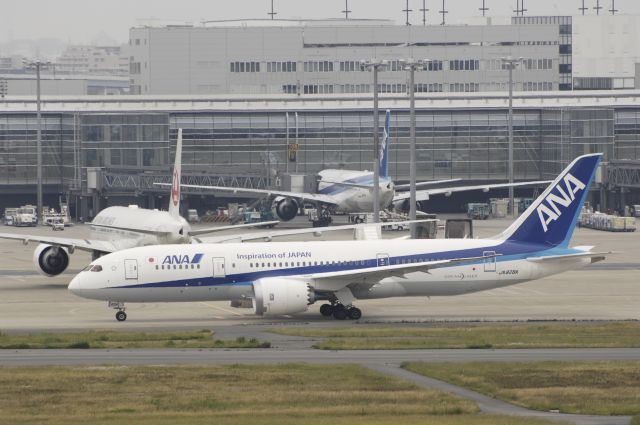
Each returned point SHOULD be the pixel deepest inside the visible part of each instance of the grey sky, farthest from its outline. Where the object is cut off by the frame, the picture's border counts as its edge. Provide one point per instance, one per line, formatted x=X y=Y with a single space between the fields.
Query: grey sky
x=80 y=21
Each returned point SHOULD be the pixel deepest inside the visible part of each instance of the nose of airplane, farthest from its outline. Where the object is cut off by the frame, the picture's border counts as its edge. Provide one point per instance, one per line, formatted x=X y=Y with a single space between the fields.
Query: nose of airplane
x=75 y=286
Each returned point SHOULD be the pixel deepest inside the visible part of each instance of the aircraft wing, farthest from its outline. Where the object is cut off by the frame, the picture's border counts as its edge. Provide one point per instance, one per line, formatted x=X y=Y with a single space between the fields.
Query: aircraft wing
x=595 y=257
x=232 y=227
x=334 y=281
x=423 y=195
x=314 y=197
x=81 y=244
x=268 y=236
x=346 y=184
x=426 y=183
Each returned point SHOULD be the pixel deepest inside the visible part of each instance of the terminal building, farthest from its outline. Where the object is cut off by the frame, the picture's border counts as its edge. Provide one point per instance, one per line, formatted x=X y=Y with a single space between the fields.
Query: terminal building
x=323 y=56
x=101 y=151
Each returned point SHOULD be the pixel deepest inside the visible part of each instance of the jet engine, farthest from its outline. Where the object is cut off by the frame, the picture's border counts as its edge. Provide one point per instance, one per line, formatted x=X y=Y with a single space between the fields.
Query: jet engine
x=404 y=206
x=50 y=260
x=286 y=208
x=276 y=296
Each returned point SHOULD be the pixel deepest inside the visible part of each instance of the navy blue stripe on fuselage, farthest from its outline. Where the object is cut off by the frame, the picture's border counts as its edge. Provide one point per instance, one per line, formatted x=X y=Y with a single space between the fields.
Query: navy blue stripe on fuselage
x=516 y=251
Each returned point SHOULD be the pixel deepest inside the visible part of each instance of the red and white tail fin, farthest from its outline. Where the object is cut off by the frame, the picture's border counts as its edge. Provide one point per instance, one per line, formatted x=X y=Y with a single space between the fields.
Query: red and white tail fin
x=174 y=200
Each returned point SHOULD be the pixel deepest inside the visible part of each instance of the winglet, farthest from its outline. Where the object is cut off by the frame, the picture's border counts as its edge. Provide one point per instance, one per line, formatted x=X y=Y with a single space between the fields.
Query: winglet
x=384 y=147
x=552 y=217
x=174 y=201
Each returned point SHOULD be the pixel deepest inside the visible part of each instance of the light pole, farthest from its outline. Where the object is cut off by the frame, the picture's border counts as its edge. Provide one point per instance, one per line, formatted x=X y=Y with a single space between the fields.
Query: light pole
x=375 y=65
x=510 y=63
x=411 y=65
x=38 y=65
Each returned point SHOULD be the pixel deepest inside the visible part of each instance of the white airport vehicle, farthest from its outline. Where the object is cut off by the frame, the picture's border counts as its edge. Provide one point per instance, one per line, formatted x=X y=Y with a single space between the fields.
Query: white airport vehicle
x=286 y=278
x=117 y=228
x=25 y=216
x=351 y=191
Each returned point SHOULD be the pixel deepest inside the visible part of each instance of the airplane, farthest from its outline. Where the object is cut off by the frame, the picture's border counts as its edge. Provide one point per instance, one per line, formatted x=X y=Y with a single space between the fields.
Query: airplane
x=286 y=278
x=117 y=228
x=351 y=191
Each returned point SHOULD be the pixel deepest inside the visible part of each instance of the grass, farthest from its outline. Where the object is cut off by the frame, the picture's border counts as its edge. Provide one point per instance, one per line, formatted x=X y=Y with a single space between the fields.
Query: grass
x=111 y=339
x=548 y=335
x=283 y=394
x=599 y=388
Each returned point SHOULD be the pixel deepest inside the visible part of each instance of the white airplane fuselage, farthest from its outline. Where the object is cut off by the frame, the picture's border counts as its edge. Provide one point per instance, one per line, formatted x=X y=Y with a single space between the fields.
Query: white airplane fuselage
x=128 y=227
x=354 y=199
x=176 y=273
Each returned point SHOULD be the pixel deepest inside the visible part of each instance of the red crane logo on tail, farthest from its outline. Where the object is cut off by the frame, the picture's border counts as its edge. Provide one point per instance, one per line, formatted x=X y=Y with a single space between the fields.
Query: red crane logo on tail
x=175 y=188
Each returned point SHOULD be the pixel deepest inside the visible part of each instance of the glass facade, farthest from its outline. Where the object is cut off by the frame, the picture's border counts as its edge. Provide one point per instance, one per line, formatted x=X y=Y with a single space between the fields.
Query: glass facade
x=470 y=144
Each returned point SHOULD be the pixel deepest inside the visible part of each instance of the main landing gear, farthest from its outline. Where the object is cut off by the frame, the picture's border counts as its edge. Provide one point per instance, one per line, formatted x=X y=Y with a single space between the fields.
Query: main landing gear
x=340 y=312
x=121 y=316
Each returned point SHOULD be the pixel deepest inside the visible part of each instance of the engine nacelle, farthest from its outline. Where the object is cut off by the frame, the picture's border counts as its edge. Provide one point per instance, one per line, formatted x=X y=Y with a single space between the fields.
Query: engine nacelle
x=276 y=296
x=405 y=205
x=51 y=260
x=286 y=208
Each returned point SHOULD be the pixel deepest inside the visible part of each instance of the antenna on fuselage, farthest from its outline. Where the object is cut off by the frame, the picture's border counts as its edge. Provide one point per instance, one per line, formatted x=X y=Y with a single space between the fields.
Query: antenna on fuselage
x=174 y=199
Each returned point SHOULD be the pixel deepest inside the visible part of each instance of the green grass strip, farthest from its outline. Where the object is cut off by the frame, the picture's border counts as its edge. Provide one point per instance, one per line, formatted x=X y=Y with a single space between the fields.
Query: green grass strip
x=433 y=336
x=112 y=339
x=597 y=388
x=242 y=394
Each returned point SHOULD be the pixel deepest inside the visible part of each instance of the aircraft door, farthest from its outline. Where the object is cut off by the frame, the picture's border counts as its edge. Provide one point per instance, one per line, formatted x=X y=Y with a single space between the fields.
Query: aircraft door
x=490 y=261
x=218 y=267
x=383 y=260
x=131 y=269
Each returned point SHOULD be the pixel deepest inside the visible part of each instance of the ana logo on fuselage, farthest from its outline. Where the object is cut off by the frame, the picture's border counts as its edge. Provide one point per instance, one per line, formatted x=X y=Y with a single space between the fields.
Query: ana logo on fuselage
x=548 y=210
x=182 y=259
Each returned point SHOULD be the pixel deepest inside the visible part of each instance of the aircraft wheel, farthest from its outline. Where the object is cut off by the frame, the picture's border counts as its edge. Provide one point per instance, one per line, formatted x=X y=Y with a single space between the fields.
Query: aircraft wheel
x=121 y=316
x=354 y=313
x=326 y=310
x=339 y=313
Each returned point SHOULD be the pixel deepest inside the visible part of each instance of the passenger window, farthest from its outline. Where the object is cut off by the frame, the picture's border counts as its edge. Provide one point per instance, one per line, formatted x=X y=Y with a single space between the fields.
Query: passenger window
x=174 y=267
x=157 y=267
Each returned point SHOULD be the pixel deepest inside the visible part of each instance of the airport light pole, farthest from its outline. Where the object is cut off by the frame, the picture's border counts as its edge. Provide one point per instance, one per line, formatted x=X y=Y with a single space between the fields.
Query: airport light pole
x=38 y=66
x=375 y=65
x=411 y=65
x=510 y=63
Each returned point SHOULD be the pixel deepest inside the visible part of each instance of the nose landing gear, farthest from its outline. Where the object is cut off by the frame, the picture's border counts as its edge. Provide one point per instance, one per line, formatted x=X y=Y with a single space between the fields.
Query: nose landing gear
x=121 y=316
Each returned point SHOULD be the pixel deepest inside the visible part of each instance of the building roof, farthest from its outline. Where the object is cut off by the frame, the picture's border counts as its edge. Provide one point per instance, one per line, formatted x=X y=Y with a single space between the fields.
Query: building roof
x=291 y=103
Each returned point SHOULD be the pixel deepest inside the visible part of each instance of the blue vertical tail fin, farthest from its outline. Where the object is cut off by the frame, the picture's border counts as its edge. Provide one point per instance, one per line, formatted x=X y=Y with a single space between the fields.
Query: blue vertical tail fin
x=384 y=147
x=552 y=217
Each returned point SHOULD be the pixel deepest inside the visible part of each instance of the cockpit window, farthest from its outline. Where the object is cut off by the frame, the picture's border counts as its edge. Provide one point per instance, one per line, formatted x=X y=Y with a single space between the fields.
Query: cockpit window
x=86 y=269
x=96 y=268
